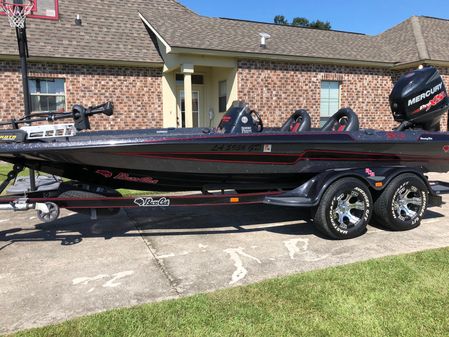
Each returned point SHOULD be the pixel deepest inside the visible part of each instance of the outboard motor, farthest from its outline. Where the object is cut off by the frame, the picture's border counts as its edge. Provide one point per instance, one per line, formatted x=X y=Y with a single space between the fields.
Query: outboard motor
x=239 y=119
x=419 y=100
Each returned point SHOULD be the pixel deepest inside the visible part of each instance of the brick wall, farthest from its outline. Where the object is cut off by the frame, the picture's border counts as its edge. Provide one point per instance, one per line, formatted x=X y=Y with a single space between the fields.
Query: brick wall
x=136 y=92
x=445 y=73
x=277 y=89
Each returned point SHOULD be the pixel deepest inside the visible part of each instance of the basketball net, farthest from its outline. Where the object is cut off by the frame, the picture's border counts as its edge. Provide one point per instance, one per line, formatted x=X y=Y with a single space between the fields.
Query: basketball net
x=17 y=11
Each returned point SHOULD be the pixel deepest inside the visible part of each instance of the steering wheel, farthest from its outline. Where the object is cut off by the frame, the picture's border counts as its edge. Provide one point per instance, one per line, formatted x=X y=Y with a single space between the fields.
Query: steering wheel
x=342 y=124
x=257 y=120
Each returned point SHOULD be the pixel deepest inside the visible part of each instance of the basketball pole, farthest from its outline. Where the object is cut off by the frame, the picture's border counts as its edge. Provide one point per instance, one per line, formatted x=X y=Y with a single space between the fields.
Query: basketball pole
x=23 y=54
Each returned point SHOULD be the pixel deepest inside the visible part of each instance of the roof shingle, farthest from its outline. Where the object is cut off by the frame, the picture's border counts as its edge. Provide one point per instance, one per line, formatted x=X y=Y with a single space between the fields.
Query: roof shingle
x=416 y=39
x=194 y=31
x=436 y=35
x=401 y=42
x=115 y=33
x=109 y=32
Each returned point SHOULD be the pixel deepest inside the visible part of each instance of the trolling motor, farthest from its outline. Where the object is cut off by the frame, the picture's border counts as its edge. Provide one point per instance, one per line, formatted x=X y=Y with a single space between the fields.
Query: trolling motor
x=79 y=114
x=419 y=100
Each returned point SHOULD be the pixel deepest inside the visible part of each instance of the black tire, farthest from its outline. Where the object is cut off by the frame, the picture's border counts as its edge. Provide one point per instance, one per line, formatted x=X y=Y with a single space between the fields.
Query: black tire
x=76 y=194
x=344 y=210
x=402 y=204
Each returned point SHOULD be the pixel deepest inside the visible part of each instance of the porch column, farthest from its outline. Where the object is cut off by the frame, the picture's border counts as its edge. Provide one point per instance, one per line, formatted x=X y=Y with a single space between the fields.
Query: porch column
x=187 y=70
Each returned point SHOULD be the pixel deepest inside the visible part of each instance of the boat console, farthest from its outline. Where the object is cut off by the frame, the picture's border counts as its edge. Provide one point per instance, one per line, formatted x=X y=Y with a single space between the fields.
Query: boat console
x=240 y=119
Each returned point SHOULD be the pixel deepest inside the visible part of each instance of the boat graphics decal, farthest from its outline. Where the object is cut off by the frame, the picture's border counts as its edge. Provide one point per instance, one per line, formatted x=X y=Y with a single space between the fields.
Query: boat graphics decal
x=8 y=137
x=434 y=101
x=283 y=158
x=126 y=177
x=370 y=172
x=150 y=202
x=391 y=135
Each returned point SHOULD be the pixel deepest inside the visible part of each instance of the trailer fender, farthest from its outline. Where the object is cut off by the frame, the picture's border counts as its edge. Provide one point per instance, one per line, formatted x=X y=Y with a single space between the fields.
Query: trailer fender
x=310 y=193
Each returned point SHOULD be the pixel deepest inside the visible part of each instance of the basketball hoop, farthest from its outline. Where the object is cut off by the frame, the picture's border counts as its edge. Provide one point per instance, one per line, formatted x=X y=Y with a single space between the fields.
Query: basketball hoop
x=17 y=11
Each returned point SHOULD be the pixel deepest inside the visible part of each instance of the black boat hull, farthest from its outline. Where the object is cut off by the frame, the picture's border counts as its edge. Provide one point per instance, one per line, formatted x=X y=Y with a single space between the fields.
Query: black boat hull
x=188 y=160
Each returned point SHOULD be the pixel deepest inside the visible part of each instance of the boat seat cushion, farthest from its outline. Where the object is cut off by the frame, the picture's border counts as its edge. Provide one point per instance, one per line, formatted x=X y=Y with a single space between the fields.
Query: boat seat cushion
x=344 y=120
x=298 y=122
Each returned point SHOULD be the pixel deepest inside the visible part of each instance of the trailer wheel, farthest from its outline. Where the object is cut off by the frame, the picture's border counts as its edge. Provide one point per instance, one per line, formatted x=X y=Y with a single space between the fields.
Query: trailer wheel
x=402 y=204
x=78 y=194
x=345 y=209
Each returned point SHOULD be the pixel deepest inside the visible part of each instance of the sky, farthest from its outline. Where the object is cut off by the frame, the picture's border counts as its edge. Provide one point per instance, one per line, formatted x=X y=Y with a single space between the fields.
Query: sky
x=362 y=16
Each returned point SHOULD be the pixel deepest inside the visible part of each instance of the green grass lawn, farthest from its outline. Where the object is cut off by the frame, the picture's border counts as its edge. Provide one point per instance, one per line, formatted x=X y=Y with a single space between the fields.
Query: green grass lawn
x=397 y=296
x=5 y=168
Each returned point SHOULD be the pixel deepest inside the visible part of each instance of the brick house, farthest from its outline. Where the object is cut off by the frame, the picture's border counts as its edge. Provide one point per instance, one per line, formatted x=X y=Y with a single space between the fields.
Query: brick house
x=165 y=66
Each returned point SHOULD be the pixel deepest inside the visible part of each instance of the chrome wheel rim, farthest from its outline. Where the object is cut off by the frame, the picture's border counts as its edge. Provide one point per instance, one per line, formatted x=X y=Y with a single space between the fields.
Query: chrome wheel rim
x=348 y=210
x=407 y=203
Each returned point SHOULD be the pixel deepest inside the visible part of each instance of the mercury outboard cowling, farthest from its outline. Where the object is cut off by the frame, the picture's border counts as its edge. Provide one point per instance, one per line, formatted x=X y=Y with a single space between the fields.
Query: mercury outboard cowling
x=419 y=100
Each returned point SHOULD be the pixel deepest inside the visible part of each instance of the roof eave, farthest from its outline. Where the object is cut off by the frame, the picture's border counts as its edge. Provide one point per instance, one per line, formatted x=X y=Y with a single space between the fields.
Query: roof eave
x=417 y=63
x=66 y=60
x=159 y=36
x=280 y=57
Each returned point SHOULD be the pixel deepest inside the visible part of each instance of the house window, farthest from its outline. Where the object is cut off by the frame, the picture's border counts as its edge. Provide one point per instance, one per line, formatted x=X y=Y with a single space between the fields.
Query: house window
x=222 y=96
x=47 y=95
x=195 y=109
x=330 y=99
x=196 y=79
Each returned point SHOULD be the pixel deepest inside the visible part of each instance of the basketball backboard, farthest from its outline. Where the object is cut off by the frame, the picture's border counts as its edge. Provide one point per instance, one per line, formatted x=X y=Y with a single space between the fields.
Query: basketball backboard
x=43 y=9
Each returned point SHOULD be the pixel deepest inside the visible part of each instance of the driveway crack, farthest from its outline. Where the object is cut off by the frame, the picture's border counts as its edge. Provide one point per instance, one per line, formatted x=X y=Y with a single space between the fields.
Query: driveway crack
x=159 y=262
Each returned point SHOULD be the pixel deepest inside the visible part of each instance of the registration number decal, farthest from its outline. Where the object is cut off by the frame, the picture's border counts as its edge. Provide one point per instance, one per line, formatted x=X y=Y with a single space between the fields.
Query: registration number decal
x=237 y=148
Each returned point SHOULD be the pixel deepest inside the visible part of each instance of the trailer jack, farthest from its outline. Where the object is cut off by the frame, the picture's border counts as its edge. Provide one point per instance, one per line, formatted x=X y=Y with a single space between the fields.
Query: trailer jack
x=46 y=211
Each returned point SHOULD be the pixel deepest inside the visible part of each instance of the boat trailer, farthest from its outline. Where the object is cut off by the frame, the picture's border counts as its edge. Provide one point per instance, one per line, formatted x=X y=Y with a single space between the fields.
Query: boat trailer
x=48 y=209
x=49 y=196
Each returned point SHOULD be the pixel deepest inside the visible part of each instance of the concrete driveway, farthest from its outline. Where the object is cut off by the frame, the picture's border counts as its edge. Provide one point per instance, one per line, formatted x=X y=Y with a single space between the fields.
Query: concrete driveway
x=73 y=267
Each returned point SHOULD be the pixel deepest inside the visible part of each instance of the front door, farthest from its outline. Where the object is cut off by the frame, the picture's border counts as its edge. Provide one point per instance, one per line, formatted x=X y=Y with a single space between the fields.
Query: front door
x=196 y=109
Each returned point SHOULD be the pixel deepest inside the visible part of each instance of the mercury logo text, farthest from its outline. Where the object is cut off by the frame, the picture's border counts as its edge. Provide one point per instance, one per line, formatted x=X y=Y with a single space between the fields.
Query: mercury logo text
x=425 y=95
